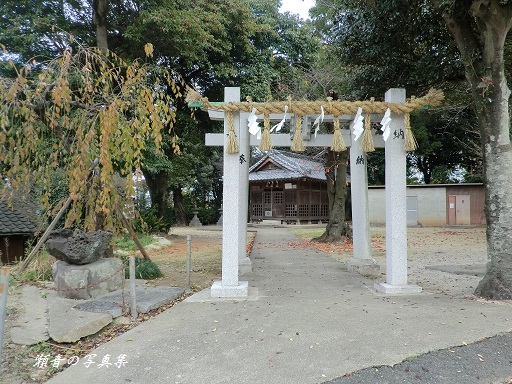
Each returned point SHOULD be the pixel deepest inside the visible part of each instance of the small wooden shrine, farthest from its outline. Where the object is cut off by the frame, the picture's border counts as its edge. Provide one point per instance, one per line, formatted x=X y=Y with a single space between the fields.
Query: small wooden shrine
x=288 y=187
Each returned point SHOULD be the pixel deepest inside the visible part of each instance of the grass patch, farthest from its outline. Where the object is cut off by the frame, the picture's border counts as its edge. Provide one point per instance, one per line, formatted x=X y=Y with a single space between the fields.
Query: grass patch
x=127 y=244
x=40 y=269
x=307 y=233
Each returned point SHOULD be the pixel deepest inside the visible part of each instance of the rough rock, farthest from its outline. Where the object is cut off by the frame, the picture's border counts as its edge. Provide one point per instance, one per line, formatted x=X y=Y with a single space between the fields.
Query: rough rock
x=68 y=325
x=88 y=281
x=78 y=247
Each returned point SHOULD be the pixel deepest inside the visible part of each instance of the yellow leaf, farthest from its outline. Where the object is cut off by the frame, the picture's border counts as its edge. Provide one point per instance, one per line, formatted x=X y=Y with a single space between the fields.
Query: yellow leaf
x=148 y=48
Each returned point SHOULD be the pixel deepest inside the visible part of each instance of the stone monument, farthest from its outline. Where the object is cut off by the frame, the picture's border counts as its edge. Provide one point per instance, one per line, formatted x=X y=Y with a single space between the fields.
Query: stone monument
x=83 y=271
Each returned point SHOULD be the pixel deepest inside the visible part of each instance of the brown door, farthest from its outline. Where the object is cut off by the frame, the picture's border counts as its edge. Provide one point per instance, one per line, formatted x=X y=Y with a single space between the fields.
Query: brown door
x=462 y=210
x=451 y=210
x=278 y=207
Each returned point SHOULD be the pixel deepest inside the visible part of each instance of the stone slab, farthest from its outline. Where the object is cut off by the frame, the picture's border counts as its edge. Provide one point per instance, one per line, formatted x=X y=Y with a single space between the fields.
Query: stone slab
x=147 y=299
x=68 y=325
x=31 y=326
x=159 y=243
x=406 y=289
x=236 y=291
x=101 y=306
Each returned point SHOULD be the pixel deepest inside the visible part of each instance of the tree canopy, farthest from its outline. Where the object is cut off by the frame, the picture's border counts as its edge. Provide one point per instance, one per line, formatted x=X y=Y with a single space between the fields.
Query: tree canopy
x=88 y=114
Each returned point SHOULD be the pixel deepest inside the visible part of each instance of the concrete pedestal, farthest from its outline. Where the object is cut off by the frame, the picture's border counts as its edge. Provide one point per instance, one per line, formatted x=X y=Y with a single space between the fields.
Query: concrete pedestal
x=365 y=267
x=397 y=289
x=219 y=290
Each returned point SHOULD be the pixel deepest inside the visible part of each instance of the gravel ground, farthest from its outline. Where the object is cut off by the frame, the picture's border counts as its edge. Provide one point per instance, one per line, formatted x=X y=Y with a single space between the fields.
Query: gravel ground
x=487 y=361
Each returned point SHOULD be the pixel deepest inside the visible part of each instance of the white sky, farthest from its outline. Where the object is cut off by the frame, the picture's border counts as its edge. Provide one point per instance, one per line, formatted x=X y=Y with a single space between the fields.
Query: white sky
x=297 y=6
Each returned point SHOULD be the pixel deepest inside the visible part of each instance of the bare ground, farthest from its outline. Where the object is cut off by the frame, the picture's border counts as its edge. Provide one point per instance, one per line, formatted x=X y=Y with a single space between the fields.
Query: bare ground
x=427 y=247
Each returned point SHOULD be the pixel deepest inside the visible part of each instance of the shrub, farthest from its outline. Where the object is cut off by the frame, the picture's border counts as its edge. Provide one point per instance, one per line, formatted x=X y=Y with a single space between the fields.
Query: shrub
x=144 y=269
x=148 y=221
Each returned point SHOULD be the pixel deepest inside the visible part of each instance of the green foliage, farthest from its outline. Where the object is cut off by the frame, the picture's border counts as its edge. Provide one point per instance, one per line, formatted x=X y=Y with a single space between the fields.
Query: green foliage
x=204 y=32
x=390 y=44
x=447 y=139
x=42 y=29
x=208 y=215
x=42 y=348
x=148 y=221
x=126 y=243
x=376 y=167
x=144 y=269
x=396 y=43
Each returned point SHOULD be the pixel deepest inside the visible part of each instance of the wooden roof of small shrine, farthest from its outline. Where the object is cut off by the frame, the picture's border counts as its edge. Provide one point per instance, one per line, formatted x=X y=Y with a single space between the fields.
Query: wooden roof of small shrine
x=289 y=166
x=15 y=221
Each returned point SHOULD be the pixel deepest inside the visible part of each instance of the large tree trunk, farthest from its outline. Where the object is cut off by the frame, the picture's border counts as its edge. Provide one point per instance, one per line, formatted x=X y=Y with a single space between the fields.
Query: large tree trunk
x=179 y=207
x=99 y=17
x=336 y=174
x=158 y=187
x=483 y=58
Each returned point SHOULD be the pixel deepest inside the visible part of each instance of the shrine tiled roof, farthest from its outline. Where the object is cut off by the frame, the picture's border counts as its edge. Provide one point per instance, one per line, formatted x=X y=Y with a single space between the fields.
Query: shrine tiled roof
x=14 y=222
x=288 y=166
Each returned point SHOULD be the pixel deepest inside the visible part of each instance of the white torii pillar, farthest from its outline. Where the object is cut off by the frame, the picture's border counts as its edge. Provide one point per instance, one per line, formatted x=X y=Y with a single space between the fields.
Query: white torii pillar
x=396 y=204
x=244 y=263
x=233 y=235
x=361 y=261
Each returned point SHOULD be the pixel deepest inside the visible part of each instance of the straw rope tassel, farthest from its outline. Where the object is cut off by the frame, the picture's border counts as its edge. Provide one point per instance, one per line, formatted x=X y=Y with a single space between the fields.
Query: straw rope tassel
x=338 y=145
x=297 y=142
x=265 y=143
x=410 y=141
x=232 y=144
x=367 y=140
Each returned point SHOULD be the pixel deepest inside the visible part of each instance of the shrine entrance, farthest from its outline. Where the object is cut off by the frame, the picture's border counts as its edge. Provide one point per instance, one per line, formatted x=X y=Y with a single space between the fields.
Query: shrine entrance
x=241 y=130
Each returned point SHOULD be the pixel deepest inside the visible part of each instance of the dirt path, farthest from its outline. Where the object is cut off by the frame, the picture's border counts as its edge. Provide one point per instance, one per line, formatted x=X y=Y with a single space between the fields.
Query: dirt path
x=427 y=247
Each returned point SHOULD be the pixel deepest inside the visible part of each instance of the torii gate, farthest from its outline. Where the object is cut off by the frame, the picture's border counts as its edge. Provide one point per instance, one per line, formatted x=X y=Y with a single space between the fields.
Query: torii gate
x=236 y=182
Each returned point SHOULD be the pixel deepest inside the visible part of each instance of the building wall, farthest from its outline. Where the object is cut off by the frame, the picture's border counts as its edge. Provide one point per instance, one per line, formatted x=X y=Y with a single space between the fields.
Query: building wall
x=432 y=203
x=376 y=205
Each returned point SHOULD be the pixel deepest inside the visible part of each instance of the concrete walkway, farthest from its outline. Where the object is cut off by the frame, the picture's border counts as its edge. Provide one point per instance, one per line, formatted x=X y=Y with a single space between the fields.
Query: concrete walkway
x=310 y=321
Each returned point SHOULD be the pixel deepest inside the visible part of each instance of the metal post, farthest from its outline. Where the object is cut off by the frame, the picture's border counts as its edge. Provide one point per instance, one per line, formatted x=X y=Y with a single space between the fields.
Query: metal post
x=4 y=286
x=189 y=251
x=132 y=287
